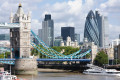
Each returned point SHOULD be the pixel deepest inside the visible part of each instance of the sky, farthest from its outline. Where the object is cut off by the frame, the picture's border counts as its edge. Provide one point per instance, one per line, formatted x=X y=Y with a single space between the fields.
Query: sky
x=64 y=13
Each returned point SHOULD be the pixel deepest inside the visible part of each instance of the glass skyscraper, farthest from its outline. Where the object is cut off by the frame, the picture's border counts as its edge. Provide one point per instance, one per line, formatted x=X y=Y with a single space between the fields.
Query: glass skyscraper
x=77 y=37
x=68 y=31
x=97 y=29
x=106 y=32
x=91 y=28
x=47 y=30
x=103 y=30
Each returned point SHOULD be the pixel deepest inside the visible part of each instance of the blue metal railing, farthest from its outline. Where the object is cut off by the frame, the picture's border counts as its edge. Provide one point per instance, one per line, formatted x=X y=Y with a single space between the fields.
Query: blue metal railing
x=57 y=54
x=46 y=46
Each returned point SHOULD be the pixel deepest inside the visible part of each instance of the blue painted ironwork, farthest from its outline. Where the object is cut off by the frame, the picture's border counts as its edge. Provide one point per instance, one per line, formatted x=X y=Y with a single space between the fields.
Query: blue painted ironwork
x=55 y=53
x=83 y=54
x=41 y=50
x=46 y=46
x=75 y=53
x=81 y=60
x=7 y=61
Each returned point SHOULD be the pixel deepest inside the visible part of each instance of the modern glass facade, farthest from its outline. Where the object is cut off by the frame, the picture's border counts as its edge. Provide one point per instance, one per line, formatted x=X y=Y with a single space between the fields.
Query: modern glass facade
x=4 y=37
x=77 y=37
x=103 y=30
x=40 y=33
x=91 y=31
x=106 y=32
x=57 y=41
x=68 y=31
x=97 y=29
x=48 y=30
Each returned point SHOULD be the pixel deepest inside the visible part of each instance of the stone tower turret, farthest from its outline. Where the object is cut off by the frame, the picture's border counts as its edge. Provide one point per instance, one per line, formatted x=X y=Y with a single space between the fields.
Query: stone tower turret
x=20 y=38
x=20 y=43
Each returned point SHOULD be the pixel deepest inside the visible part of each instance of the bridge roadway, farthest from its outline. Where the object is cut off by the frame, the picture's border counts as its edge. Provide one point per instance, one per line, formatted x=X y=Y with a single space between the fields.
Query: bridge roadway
x=12 y=61
x=81 y=60
x=9 y=25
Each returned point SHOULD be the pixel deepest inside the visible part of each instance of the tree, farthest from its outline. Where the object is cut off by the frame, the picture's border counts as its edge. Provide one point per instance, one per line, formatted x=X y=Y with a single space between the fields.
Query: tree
x=88 y=55
x=116 y=61
x=68 y=50
x=101 y=59
x=5 y=55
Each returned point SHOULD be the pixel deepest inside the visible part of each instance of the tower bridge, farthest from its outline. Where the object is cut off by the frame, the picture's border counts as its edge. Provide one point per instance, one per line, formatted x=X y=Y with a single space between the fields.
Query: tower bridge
x=20 y=44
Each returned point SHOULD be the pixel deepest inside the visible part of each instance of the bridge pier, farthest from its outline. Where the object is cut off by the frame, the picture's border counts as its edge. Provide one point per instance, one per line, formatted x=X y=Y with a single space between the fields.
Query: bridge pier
x=26 y=66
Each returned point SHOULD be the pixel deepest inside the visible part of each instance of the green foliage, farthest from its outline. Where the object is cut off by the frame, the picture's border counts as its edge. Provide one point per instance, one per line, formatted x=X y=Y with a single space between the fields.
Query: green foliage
x=2 y=55
x=5 y=55
x=88 y=56
x=101 y=59
x=68 y=50
x=116 y=61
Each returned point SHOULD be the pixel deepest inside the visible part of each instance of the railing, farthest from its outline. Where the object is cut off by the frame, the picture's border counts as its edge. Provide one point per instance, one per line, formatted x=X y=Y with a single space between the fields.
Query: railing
x=48 y=51
x=82 y=60
x=9 y=25
x=7 y=61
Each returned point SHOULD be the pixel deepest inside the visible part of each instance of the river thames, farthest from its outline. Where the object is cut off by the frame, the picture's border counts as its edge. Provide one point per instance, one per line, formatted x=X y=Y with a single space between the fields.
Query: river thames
x=67 y=76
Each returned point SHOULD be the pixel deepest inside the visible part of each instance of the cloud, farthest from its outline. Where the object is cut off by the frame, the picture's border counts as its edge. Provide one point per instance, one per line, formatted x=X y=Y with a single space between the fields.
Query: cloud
x=6 y=6
x=64 y=13
x=114 y=31
x=70 y=13
x=112 y=6
x=35 y=25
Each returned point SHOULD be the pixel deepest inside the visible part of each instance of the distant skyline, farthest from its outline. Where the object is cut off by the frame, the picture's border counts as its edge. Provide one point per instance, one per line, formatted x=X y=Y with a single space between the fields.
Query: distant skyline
x=64 y=13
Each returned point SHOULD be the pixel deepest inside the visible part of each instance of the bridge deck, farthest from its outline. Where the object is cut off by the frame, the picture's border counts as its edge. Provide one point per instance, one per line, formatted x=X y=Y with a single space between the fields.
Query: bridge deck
x=81 y=60
x=9 y=25
x=12 y=61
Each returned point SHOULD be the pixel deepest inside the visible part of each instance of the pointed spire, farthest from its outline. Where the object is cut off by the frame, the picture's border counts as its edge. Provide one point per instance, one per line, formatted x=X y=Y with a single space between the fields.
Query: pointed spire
x=20 y=10
x=20 y=5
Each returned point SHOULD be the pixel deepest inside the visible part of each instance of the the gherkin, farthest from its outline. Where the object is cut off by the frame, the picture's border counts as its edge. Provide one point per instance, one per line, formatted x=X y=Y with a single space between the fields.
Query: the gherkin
x=91 y=31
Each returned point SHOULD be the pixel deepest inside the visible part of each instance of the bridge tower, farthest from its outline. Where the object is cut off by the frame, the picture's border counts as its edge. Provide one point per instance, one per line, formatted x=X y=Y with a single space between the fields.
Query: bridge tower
x=20 y=42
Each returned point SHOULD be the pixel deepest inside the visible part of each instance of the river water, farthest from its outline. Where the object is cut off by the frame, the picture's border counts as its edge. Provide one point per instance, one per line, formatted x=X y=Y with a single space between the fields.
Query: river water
x=66 y=76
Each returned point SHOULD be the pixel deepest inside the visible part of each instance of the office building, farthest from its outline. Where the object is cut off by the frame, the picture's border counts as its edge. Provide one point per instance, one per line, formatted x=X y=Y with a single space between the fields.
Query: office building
x=117 y=52
x=4 y=37
x=119 y=36
x=91 y=31
x=68 y=31
x=103 y=28
x=40 y=33
x=77 y=37
x=97 y=29
x=115 y=42
x=47 y=31
x=58 y=40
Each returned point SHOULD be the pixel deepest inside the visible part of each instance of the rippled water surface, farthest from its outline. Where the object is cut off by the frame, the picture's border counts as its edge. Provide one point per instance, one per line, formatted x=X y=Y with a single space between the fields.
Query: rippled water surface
x=67 y=76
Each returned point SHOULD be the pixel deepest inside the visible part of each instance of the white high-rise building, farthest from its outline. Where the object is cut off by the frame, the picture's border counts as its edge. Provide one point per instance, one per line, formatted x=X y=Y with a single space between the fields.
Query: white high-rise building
x=115 y=42
x=103 y=28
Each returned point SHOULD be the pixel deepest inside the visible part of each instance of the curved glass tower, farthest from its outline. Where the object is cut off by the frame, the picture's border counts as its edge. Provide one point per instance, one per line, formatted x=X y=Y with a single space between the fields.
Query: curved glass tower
x=91 y=28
